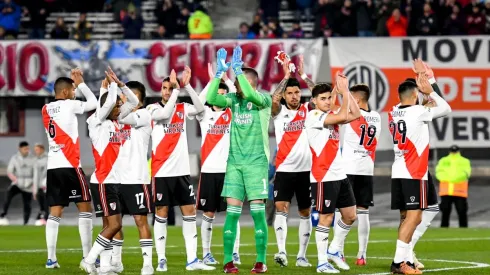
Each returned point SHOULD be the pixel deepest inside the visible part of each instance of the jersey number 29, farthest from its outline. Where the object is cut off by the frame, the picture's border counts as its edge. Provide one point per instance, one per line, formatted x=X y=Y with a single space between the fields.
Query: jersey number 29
x=401 y=128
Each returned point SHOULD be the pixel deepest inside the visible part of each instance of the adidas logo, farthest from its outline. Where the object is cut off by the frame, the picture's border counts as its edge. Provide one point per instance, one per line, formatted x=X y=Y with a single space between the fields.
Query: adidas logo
x=161 y=238
x=259 y=231
x=209 y=229
x=325 y=239
x=142 y=206
x=279 y=229
x=144 y=254
x=195 y=236
x=306 y=235
x=228 y=232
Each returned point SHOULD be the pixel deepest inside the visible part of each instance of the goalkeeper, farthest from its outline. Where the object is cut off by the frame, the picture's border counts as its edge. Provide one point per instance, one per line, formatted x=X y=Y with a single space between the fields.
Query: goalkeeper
x=248 y=160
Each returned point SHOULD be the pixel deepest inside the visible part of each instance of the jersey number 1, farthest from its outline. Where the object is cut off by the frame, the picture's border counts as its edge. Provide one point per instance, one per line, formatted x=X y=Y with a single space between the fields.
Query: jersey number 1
x=370 y=132
x=51 y=129
x=401 y=128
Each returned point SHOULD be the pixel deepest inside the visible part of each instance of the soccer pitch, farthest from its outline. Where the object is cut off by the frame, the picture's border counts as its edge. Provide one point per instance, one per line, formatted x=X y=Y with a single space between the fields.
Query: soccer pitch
x=443 y=251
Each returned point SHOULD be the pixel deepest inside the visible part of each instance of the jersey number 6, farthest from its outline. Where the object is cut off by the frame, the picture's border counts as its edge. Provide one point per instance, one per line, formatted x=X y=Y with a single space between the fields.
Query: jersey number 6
x=51 y=129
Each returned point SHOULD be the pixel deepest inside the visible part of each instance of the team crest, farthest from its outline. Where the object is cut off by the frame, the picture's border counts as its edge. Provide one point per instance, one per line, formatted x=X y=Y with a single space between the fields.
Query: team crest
x=98 y=206
x=225 y=117
x=180 y=115
x=412 y=198
x=301 y=114
x=113 y=205
x=275 y=193
x=327 y=203
x=249 y=106
x=203 y=202
x=159 y=196
x=74 y=192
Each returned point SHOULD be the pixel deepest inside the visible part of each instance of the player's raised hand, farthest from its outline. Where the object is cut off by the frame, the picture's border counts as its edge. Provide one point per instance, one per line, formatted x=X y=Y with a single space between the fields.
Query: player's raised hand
x=77 y=76
x=285 y=68
x=109 y=78
x=341 y=84
x=236 y=61
x=212 y=74
x=186 y=76
x=423 y=84
x=221 y=65
x=173 y=80
x=428 y=71
x=301 y=65
x=104 y=84
x=418 y=66
x=115 y=78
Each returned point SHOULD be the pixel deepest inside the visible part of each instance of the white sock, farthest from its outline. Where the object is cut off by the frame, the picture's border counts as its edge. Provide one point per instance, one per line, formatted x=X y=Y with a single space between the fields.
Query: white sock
x=427 y=216
x=105 y=258
x=206 y=234
x=52 y=236
x=304 y=235
x=409 y=257
x=85 y=230
x=236 y=247
x=160 y=235
x=147 y=251
x=402 y=250
x=189 y=230
x=321 y=238
x=100 y=245
x=339 y=236
x=363 y=231
x=116 y=251
x=335 y=226
x=281 y=229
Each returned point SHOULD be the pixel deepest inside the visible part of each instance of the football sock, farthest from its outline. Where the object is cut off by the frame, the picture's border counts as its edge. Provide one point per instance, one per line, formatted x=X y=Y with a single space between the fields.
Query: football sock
x=189 y=230
x=85 y=230
x=281 y=228
x=321 y=238
x=206 y=234
x=339 y=235
x=236 y=247
x=230 y=231
x=304 y=235
x=427 y=216
x=52 y=226
x=402 y=250
x=100 y=245
x=160 y=232
x=105 y=258
x=257 y=210
x=363 y=232
x=116 y=251
x=147 y=251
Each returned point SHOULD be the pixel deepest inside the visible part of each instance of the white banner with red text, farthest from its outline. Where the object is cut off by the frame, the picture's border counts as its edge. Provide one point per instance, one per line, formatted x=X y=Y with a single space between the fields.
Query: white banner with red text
x=461 y=68
x=29 y=68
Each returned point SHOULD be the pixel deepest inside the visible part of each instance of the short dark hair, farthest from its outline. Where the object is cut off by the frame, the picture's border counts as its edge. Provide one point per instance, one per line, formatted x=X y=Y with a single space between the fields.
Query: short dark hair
x=103 y=98
x=243 y=24
x=136 y=85
x=405 y=88
x=23 y=144
x=321 y=88
x=166 y=79
x=411 y=80
x=292 y=82
x=363 y=89
x=224 y=87
x=250 y=71
x=62 y=83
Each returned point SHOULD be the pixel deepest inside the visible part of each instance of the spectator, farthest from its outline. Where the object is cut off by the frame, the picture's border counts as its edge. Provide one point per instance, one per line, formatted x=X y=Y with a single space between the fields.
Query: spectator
x=20 y=171
x=324 y=12
x=82 y=30
x=296 y=31
x=276 y=28
x=182 y=28
x=132 y=24
x=382 y=15
x=38 y=13
x=365 y=17
x=397 y=24
x=245 y=32
x=475 y=22
x=200 y=24
x=445 y=11
x=10 y=14
x=345 y=22
x=60 y=31
x=266 y=32
x=256 y=25
x=487 y=16
x=161 y=33
x=427 y=23
x=167 y=14
x=455 y=23
x=468 y=9
x=2 y=33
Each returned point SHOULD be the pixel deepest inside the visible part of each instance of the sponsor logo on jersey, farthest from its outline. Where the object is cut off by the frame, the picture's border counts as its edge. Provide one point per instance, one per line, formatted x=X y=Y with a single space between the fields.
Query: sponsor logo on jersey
x=327 y=203
x=159 y=196
x=203 y=202
x=113 y=205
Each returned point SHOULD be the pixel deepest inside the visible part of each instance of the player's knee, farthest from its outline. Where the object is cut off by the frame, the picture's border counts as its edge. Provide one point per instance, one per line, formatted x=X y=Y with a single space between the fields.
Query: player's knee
x=209 y=214
x=349 y=218
x=305 y=212
x=325 y=219
x=84 y=207
x=162 y=211
x=282 y=206
x=115 y=226
x=140 y=220
x=188 y=210
x=56 y=211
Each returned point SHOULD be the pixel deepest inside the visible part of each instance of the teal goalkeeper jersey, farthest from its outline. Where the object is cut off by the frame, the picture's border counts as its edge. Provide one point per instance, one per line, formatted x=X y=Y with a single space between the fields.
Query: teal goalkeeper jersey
x=249 y=133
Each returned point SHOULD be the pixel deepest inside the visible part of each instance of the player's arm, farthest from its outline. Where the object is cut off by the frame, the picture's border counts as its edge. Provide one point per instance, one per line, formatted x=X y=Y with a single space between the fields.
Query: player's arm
x=303 y=75
x=11 y=170
x=130 y=104
x=341 y=117
x=278 y=92
x=204 y=93
x=198 y=108
x=91 y=103
x=230 y=84
x=214 y=98
x=252 y=95
x=354 y=110
x=103 y=111
x=166 y=111
x=441 y=109
x=140 y=118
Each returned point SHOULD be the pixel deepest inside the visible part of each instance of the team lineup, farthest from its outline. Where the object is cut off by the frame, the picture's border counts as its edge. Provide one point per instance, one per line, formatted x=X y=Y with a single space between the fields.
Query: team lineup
x=311 y=164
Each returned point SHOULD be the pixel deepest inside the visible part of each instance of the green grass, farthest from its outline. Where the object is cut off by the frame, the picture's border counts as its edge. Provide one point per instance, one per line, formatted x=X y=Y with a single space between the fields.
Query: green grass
x=464 y=245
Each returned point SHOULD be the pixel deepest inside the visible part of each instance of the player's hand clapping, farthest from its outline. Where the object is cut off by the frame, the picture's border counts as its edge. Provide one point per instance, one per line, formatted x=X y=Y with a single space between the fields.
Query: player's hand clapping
x=186 y=76
x=77 y=76
x=236 y=61
x=173 y=80
x=341 y=84
x=221 y=65
x=301 y=65
x=212 y=74
x=114 y=77
x=285 y=68
x=423 y=84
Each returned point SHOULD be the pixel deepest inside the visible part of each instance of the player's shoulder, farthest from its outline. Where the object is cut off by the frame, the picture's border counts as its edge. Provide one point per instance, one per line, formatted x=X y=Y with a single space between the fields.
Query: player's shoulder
x=315 y=114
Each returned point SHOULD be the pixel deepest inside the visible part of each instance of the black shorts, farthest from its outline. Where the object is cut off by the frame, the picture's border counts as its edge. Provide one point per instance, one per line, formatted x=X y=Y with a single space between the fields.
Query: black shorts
x=328 y=195
x=106 y=199
x=287 y=184
x=65 y=185
x=432 y=198
x=209 y=192
x=173 y=191
x=411 y=194
x=363 y=189
x=135 y=199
